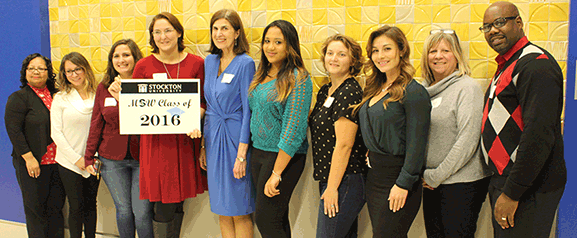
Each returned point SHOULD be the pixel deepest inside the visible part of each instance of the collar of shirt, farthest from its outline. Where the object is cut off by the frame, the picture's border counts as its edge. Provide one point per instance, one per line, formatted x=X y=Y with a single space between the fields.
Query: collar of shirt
x=502 y=59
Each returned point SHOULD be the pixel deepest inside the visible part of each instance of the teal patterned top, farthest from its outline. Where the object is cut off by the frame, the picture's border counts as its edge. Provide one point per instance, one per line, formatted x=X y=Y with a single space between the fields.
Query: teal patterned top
x=283 y=125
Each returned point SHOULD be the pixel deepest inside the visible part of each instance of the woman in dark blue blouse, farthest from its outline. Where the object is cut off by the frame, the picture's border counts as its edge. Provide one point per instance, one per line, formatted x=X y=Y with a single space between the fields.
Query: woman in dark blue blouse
x=394 y=117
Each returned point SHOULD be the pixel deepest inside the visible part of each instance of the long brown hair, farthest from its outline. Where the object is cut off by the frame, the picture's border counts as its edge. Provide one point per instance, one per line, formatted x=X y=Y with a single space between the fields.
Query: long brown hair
x=286 y=79
x=111 y=73
x=79 y=60
x=376 y=79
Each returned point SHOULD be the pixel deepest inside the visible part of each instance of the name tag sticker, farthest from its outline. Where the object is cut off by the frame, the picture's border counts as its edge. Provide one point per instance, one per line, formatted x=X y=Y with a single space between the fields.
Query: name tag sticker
x=110 y=102
x=227 y=78
x=436 y=102
x=159 y=76
x=329 y=102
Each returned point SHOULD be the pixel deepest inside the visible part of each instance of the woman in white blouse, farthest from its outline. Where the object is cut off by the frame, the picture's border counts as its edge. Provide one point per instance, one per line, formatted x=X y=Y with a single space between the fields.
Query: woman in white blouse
x=70 y=116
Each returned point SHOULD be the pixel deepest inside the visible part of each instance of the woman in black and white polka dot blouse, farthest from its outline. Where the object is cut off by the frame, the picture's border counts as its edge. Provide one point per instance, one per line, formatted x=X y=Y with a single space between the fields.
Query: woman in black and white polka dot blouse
x=338 y=149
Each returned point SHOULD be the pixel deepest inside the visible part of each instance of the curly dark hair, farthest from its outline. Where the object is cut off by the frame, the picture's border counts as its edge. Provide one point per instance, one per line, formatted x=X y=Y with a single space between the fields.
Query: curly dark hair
x=50 y=82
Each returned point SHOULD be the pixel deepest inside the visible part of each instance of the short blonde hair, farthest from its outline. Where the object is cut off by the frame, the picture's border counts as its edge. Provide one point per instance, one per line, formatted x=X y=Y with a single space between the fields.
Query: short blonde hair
x=453 y=41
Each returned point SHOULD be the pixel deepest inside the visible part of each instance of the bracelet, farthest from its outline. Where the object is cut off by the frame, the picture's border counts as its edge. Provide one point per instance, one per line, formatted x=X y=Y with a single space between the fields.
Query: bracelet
x=279 y=178
x=202 y=146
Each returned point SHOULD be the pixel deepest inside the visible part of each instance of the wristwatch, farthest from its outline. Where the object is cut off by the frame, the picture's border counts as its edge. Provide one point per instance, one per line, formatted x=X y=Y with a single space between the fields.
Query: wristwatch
x=241 y=159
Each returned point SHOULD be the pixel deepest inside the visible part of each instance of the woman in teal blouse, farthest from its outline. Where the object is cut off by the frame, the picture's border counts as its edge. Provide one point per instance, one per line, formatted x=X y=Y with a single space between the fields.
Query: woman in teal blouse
x=280 y=98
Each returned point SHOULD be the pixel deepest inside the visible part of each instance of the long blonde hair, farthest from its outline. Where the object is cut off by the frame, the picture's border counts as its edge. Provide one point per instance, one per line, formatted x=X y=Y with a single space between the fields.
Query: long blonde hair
x=78 y=59
x=376 y=79
x=286 y=77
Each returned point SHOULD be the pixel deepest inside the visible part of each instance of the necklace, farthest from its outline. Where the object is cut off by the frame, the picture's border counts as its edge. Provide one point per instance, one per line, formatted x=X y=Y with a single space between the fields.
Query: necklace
x=177 y=72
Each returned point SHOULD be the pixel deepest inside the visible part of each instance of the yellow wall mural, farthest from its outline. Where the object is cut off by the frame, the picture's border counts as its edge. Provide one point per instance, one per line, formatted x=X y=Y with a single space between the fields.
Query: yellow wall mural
x=92 y=26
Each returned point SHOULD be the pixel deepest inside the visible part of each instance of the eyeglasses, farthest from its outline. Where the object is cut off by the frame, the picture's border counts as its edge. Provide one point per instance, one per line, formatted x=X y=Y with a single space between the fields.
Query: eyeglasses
x=446 y=31
x=497 y=23
x=39 y=70
x=76 y=70
x=159 y=32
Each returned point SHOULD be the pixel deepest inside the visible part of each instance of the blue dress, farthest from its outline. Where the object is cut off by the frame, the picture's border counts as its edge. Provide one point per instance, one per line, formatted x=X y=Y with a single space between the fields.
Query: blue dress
x=227 y=123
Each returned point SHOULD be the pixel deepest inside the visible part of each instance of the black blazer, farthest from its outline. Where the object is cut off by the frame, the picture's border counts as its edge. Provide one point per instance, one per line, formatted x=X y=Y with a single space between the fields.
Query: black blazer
x=27 y=123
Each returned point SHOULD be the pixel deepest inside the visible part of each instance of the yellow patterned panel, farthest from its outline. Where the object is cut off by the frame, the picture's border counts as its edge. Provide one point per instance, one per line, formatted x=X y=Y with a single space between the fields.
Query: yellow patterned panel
x=176 y=6
x=370 y=2
x=474 y=33
x=559 y=11
x=417 y=65
x=421 y=31
x=387 y=2
x=387 y=15
x=105 y=10
x=370 y=15
x=273 y=5
x=244 y=5
x=307 y=50
x=257 y=5
x=289 y=4
x=304 y=17
x=441 y=2
x=319 y=33
x=336 y=16
x=67 y=2
x=354 y=31
x=441 y=13
x=478 y=11
x=558 y=31
x=105 y=24
x=353 y=15
x=203 y=36
x=53 y=14
x=460 y=13
x=73 y=26
x=538 y=31
x=367 y=29
x=319 y=3
x=417 y=48
x=141 y=38
x=336 y=3
x=479 y=68
x=352 y=3
x=423 y=14
x=189 y=37
x=405 y=14
x=319 y=17
x=478 y=50
x=317 y=50
x=289 y=16
x=460 y=1
x=273 y=15
x=140 y=24
x=256 y=35
x=407 y=29
x=538 y=12
x=152 y=8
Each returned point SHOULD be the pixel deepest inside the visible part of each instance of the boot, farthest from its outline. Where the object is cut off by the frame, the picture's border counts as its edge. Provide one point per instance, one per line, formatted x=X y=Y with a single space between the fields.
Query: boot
x=160 y=229
x=175 y=225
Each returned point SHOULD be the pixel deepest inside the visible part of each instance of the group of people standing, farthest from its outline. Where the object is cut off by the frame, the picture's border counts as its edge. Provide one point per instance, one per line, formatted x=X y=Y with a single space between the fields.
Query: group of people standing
x=390 y=144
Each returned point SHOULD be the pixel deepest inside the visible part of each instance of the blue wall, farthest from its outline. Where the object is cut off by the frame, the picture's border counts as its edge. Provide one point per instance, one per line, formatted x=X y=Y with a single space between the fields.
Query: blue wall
x=567 y=208
x=25 y=31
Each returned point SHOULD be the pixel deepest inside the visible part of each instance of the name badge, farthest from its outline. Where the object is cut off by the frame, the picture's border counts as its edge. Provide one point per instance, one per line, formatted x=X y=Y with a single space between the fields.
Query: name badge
x=110 y=102
x=227 y=78
x=436 y=102
x=160 y=76
x=329 y=102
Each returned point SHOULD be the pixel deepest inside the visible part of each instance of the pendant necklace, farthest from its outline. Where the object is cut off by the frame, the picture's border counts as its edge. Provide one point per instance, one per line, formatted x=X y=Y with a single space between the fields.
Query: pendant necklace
x=177 y=72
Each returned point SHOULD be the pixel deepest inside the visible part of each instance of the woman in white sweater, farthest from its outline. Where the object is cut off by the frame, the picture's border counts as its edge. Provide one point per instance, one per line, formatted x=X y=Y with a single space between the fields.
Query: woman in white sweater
x=70 y=117
x=455 y=179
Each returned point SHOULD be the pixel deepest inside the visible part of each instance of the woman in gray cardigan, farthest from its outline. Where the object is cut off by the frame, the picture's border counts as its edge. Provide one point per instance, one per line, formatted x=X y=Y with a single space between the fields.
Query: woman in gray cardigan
x=455 y=179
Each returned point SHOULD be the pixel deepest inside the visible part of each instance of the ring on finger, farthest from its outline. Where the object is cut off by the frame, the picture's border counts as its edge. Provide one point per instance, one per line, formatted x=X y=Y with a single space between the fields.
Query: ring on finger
x=503 y=218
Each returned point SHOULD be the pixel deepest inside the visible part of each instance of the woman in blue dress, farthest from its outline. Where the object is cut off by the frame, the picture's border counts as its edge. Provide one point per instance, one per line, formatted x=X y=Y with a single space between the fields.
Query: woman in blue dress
x=228 y=73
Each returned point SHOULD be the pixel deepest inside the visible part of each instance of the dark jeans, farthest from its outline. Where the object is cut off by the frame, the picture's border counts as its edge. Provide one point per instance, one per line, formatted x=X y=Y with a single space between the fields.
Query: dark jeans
x=452 y=210
x=351 y=202
x=380 y=180
x=534 y=215
x=43 y=200
x=81 y=193
x=271 y=214
x=165 y=212
x=132 y=214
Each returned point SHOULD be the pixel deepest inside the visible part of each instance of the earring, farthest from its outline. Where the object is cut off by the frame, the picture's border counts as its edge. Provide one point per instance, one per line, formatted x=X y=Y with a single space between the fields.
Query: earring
x=235 y=42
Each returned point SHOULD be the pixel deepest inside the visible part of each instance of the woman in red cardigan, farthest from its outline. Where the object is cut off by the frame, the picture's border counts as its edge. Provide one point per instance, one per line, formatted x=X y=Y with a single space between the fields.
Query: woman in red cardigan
x=119 y=153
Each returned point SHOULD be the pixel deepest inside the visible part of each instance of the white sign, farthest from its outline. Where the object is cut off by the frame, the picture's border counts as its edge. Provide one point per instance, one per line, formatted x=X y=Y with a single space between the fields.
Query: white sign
x=151 y=106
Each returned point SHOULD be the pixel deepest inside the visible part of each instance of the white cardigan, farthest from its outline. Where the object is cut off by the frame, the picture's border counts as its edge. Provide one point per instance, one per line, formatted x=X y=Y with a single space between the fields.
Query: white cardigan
x=70 y=123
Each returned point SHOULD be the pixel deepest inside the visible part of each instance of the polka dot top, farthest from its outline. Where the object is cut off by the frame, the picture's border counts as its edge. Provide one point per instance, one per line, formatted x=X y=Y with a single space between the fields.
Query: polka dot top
x=321 y=123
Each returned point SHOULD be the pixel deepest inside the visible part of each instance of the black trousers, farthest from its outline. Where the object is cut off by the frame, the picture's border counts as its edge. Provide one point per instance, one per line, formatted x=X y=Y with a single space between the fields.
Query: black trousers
x=380 y=180
x=452 y=210
x=271 y=214
x=165 y=212
x=43 y=200
x=534 y=216
x=81 y=194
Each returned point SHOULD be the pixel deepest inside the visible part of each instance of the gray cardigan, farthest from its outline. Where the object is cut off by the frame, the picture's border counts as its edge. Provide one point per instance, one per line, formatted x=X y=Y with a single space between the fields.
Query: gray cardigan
x=453 y=151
